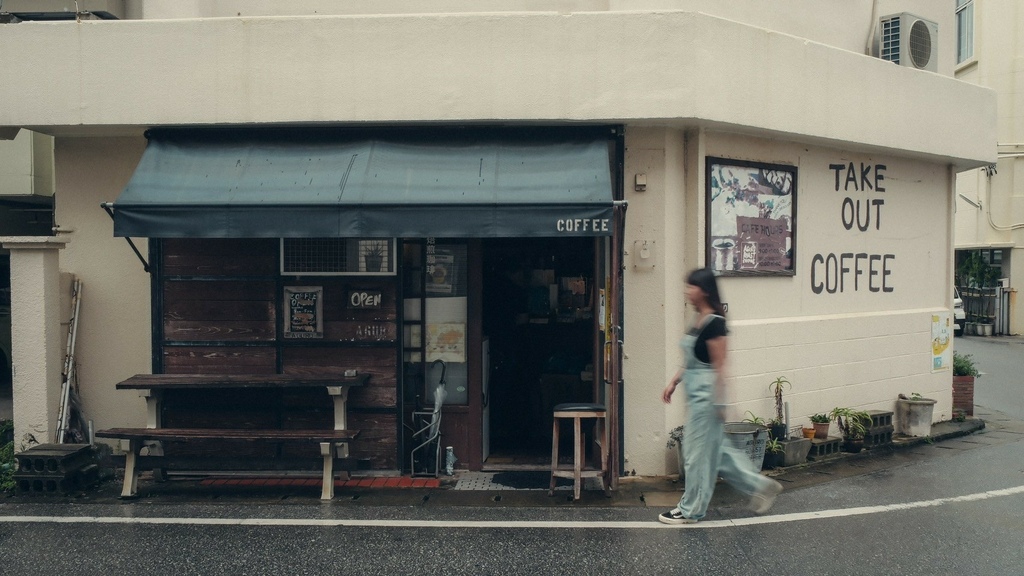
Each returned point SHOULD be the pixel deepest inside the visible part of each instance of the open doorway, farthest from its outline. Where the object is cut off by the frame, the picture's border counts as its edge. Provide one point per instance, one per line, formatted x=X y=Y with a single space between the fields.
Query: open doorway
x=538 y=317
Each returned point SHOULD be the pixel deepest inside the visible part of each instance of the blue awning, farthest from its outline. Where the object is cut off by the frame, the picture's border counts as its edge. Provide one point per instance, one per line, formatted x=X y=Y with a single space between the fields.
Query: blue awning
x=249 y=187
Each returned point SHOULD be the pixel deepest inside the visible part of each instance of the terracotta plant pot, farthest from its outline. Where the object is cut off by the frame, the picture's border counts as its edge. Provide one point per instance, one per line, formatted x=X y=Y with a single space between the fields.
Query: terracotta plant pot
x=821 y=430
x=808 y=432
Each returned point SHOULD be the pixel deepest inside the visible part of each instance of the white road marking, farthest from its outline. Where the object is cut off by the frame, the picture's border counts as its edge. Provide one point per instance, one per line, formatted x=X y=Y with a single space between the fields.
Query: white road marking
x=528 y=524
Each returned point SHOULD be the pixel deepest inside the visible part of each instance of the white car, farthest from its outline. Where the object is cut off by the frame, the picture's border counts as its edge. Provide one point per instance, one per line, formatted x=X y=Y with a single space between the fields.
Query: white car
x=959 y=317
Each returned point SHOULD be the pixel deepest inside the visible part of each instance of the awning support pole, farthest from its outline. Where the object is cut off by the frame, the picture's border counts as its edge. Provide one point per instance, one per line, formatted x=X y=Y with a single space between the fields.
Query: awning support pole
x=145 y=265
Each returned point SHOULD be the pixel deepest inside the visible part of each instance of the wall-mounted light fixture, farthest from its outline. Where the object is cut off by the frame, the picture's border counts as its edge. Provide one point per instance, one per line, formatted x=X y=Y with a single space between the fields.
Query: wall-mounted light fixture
x=640 y=182
x=643 y=254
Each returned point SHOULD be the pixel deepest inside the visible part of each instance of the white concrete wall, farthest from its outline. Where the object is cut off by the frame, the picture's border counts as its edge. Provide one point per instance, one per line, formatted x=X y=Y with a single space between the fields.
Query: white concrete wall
x=679 y=68
x=114 y=338
x=854 y=348
x=841 y=23
x=26 y=166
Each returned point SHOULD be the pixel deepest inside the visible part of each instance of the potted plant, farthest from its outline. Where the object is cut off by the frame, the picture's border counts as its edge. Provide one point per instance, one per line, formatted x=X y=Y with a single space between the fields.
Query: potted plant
x=374 y=256
x=914 y=415
x=777 y=426
x=853 y=425
x=821 y=425
x=964 y=373
x=774 y=453
x=755 y=420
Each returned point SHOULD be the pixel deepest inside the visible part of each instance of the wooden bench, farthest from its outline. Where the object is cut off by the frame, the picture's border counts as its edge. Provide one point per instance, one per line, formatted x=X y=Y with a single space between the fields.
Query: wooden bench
x=329 y=441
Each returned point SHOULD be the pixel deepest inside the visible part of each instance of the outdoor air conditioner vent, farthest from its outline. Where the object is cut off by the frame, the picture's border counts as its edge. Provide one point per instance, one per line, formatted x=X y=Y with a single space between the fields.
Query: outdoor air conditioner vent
x=909 y=40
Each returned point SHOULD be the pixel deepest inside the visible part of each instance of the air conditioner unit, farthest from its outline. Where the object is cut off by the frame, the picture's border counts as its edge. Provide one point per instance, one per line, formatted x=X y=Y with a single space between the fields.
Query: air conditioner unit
x=909 y=40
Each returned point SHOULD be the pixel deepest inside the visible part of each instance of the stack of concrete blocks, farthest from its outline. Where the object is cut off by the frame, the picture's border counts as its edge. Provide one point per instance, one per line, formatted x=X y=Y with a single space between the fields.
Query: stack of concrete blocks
x=53 y=469
x=880 y=431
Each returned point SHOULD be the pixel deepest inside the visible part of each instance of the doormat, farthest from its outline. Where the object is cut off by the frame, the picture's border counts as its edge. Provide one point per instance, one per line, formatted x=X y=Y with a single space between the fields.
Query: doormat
x=510 y=480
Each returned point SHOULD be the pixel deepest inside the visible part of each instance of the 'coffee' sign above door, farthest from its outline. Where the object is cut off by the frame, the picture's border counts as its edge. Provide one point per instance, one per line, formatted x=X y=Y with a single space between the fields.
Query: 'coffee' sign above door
x=364 y=299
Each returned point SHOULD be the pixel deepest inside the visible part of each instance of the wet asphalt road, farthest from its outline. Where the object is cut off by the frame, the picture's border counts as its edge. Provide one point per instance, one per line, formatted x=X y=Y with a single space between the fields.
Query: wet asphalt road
x=1001 y=362
x=953 y=507
x=856 y=525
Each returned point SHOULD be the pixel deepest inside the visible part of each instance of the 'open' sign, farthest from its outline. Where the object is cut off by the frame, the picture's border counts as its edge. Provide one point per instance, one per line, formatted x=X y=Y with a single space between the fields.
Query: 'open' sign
x=364 y=299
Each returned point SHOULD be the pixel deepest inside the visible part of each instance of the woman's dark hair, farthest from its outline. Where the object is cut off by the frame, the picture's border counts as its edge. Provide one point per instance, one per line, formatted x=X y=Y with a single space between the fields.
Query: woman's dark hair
x=704 y=278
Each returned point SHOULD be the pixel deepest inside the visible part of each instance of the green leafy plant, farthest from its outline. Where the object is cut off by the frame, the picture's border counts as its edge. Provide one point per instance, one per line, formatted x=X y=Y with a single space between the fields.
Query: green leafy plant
x=7 y=463
x=916 y=396
x=959 y=415
x=776 y=388
x=754 y=419
x=963 y=365
x=853 y=424
x=820 y=418
x=675 y=436
x=774 y=446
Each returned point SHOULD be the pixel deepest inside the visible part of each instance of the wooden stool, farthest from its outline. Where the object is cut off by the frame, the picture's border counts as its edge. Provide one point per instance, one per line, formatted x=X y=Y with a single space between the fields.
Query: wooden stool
x=577 y=411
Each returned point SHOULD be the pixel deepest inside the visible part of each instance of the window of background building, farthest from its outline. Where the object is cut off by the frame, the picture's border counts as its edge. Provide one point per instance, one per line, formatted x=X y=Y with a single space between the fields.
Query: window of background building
x=964 y=30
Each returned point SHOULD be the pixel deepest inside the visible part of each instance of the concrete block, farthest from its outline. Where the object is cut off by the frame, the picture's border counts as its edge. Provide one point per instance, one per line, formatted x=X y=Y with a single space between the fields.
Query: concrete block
x=822 y=448
x=880 y=418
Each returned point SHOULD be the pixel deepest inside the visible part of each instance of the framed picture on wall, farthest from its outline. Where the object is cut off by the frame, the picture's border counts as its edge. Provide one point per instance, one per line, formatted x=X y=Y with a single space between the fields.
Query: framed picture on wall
x=751 y=218
x=303 y=312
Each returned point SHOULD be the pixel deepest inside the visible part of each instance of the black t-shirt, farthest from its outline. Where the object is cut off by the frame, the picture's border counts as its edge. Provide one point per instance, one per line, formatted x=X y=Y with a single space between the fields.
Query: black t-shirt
x=713 y=328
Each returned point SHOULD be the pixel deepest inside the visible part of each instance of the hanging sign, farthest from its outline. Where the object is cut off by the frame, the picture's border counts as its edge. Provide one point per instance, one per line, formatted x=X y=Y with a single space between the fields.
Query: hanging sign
x=364 y=299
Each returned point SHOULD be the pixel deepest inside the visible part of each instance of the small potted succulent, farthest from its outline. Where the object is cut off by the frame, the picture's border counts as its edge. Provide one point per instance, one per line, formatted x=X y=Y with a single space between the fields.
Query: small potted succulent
x=821 y=425
x=777 y=425
x=853 y=425
x=774 y=454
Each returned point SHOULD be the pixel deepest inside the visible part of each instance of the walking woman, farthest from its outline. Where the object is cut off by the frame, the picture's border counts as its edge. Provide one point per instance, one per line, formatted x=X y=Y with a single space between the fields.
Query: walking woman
x=706 y=453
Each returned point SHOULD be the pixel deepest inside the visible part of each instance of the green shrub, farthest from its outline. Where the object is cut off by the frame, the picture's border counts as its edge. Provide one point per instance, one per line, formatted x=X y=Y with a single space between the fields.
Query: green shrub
x=963 y=365
x=6 y=457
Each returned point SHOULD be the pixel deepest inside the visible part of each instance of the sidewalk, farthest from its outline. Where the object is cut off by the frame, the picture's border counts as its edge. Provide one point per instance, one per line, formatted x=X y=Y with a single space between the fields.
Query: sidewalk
x=652 y=492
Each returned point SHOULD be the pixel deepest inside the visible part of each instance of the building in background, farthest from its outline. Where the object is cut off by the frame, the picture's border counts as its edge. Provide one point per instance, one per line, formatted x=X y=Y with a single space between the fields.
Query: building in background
x=768 y=141
x=990 y=199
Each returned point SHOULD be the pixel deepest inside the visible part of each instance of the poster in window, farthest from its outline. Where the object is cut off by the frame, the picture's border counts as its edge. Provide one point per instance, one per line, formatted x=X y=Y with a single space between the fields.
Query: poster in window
x=446 y=341
x=303 y=312
x=442 y=272
x=750 y=224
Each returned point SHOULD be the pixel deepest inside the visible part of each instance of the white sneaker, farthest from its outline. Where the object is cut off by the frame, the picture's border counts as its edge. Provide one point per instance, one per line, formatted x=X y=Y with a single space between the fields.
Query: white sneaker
x=762 y=500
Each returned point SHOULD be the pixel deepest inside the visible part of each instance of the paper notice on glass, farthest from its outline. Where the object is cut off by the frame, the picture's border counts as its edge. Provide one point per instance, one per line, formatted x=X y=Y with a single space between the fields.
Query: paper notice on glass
x=446 y=342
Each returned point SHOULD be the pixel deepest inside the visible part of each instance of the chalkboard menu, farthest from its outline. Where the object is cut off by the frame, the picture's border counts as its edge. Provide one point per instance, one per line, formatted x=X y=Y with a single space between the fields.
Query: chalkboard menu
x=303 y=312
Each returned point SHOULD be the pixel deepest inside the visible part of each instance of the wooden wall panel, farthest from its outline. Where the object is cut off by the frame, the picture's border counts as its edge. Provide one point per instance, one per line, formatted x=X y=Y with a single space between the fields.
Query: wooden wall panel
x=377 y=440
x=219 y=311
x=379 y=363
x=225 y=291
x=221 y=257
x=220 y=360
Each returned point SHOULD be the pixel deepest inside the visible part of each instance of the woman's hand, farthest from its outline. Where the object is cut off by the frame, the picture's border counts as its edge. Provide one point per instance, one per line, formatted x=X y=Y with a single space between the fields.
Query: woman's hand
x=667 y=393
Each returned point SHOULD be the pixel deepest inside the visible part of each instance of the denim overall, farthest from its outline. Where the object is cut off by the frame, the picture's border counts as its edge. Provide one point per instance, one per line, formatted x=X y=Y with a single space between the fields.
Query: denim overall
x=706 y=453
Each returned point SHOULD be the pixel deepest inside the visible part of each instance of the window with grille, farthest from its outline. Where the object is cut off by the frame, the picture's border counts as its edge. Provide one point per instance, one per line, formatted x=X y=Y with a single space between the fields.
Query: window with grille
x=337 y=256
